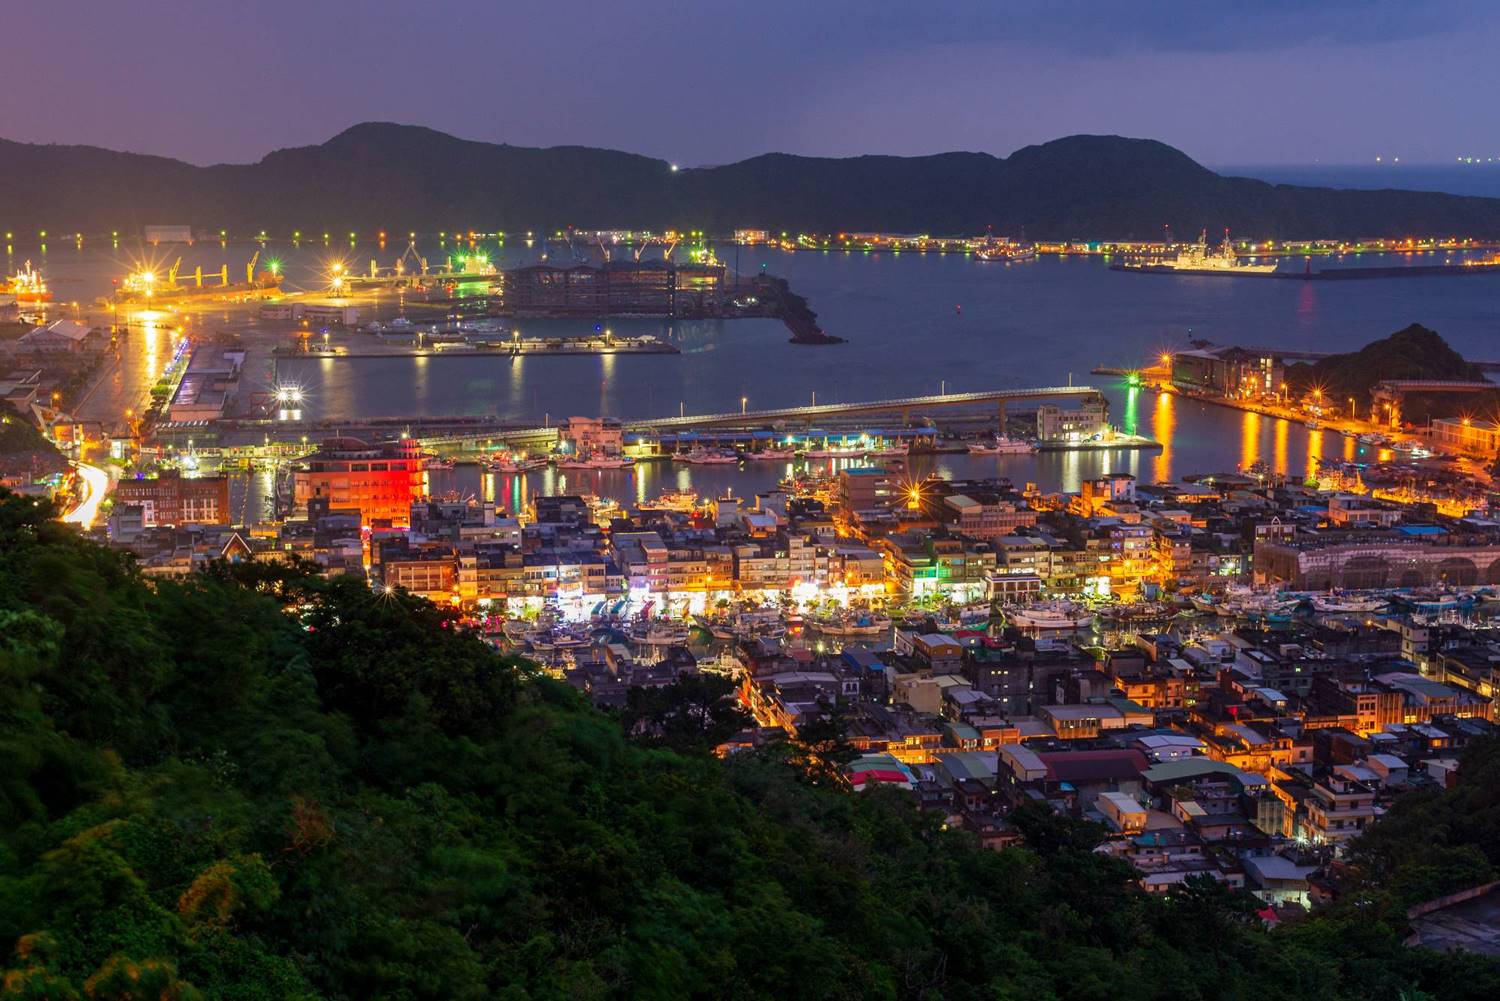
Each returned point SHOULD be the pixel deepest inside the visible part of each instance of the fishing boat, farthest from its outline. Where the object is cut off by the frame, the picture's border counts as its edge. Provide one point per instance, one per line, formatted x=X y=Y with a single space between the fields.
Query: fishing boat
x=975 y=614
x=852 y=623
x=744 y=625
x=595 y=462
x=1205 y=603
x=708 y=457
x=1247 y=602
x=774 y=454
x=892 y=451
x=1334 y=602
x=839 y=452
x=682 y=501
x=1002 y=446
x=1050 y=615
x=659 y=633
x=1434 y=599
x=516 y=464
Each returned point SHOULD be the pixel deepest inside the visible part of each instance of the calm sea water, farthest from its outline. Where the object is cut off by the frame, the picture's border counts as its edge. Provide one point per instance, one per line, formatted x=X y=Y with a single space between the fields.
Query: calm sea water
x=915 y=324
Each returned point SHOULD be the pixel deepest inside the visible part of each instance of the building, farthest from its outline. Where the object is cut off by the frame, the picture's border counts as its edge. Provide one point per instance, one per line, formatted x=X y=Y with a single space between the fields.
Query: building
x=207 y=387
x=866 y=488
x=1089 y=420
x=594 y=434
x=1228 y=371
x=981 y=516
x=167 y=233
x=1467 y=434
x=1364 y=561
x=59 y=337
x=380 y=480
x=170 y=499
x=653 y=288
x=1356 y=511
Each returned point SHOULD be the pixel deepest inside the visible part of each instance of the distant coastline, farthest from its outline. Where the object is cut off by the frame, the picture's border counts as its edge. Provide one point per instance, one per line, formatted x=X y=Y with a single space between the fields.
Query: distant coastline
x=1480 y=180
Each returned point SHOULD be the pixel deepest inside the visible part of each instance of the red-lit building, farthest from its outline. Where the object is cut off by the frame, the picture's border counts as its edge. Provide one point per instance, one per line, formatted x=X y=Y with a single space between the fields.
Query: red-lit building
x=169 y=499
x=381 y=480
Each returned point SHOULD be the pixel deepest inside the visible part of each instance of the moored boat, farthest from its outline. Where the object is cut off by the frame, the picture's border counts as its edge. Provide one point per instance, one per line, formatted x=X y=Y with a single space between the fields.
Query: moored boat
x=1002 y=446
x=1050 y=615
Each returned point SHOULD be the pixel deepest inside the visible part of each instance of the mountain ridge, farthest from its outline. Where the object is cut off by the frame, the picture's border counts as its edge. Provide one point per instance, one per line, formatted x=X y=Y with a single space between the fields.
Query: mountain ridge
x=392 y=176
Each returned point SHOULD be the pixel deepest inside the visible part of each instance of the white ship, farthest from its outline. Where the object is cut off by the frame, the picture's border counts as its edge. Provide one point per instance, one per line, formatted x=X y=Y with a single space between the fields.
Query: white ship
x=773 y=454
x=1199 y=259
x=1333 y=602
x=1002 y=446
x=660 y=633
x=708 y=457
x=595 y=462
x=1050 y=615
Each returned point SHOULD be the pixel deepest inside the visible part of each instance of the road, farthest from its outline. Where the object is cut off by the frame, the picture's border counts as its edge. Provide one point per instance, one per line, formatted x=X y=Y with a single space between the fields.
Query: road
x=96 y=482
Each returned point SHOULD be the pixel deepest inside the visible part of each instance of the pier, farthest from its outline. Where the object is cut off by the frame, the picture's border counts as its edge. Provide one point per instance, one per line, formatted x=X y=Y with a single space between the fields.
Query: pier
x=459 y=428
x=905 y=406
x=553 y=348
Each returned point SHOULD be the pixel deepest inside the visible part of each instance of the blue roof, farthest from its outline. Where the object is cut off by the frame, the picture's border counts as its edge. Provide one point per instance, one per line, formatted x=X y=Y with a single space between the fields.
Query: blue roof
x=1421 y=530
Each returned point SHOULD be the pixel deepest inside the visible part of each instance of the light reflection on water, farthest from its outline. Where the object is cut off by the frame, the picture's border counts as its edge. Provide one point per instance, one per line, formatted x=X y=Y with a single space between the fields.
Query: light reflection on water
x=1193 y=434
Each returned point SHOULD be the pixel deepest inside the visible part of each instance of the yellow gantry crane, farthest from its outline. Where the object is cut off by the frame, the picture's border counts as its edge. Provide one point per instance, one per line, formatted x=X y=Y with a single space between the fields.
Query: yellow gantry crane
x=250 y=269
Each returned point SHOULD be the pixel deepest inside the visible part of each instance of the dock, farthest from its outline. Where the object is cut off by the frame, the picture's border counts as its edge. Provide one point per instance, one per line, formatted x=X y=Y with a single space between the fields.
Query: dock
x=500 y=349
x=904 y=406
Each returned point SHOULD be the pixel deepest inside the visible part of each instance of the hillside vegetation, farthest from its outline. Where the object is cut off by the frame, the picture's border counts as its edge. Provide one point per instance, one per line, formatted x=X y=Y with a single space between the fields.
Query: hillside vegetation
x=400 y=178
x=261 y=784
x=1414 y=352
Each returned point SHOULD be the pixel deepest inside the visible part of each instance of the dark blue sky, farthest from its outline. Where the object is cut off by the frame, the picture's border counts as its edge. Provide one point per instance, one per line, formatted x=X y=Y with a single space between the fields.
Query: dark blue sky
x=707 y=81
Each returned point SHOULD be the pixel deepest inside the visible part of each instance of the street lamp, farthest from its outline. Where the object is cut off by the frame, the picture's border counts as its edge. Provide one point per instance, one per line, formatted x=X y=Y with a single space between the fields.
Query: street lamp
x=744 y=401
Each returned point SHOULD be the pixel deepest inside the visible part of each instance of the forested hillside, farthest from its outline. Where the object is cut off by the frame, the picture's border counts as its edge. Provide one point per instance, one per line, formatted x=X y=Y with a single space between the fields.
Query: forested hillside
x=260 y=784
x=379 y=175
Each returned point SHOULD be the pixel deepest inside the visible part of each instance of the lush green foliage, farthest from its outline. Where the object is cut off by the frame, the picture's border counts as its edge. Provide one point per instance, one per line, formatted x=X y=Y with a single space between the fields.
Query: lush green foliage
x=259 y=784
x=1414 y=352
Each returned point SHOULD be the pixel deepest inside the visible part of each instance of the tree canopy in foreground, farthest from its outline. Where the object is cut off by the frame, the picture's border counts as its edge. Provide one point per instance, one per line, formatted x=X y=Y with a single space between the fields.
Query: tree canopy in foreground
x=261 y=784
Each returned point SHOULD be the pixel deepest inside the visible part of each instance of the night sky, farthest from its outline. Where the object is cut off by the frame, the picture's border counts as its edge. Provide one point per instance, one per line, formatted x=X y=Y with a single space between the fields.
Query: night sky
x=701 y=82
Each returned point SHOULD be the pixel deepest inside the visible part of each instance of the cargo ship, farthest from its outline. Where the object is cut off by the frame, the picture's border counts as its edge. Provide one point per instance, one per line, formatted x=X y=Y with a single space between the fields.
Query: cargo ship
x=27 y=286
x=147 y=286
x=1198 y=259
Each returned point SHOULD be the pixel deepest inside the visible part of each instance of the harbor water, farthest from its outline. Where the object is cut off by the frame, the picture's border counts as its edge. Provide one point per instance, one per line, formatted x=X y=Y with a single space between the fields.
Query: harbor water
x=914 y=323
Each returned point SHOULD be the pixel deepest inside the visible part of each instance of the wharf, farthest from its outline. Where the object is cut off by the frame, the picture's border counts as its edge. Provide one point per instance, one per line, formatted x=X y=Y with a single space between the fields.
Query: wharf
x=1133 y=442
x=1328 y=274
x=499 y=350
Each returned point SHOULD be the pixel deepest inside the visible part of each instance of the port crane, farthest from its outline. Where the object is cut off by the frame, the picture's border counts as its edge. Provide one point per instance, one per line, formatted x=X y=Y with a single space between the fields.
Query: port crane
x=250 y=269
